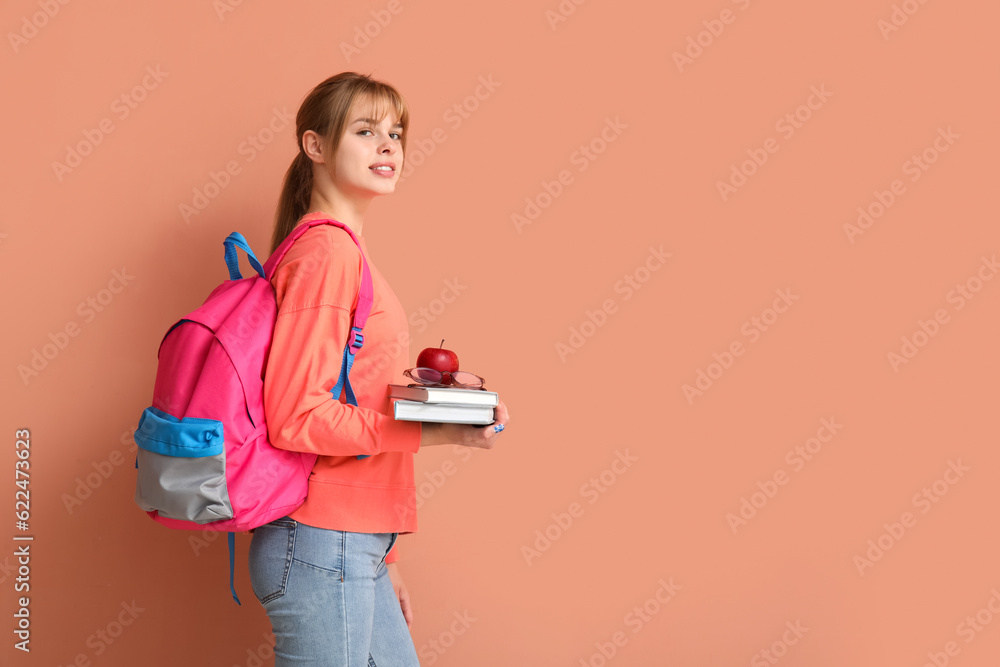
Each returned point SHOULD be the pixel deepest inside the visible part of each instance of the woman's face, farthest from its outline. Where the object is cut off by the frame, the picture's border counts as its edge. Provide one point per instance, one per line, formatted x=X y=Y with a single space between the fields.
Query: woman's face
x=370 y=155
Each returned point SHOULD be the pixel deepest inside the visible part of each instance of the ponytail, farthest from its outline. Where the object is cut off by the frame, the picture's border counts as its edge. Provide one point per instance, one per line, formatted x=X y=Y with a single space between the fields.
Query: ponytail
x=295 y=195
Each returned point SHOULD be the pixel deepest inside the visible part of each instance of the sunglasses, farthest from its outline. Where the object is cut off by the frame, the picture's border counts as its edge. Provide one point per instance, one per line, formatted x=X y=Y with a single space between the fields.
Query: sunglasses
x=430 y=377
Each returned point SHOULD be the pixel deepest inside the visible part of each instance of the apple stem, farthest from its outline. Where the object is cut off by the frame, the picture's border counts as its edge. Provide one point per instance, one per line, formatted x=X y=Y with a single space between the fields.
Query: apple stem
x=442 y=343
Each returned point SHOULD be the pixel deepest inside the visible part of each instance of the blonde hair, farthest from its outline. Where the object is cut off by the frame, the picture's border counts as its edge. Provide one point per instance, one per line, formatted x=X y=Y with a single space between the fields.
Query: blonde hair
x=325 y=111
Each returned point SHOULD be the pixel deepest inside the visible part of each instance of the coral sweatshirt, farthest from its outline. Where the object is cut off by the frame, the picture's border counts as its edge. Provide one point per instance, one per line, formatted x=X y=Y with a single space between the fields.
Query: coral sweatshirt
x=317 y=285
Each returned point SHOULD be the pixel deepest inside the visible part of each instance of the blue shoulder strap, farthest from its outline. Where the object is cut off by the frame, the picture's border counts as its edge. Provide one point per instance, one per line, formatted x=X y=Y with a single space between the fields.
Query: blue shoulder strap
x=232 y=566
x=343 y=385
x=365 y=301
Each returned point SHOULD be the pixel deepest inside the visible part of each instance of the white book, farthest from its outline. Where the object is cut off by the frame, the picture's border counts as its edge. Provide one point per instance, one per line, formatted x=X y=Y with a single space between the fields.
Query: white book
x=419 y=411
x=449 y=395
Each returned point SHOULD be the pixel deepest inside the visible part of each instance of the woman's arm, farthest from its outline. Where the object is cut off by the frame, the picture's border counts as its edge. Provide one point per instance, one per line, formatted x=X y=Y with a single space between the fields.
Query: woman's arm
x=466 y=435
x=317 y=286
x=307 y=350
x=401 y=593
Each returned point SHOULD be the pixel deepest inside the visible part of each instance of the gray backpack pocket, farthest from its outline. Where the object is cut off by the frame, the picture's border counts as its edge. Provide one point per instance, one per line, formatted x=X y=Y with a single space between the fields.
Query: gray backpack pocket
x=181 y=467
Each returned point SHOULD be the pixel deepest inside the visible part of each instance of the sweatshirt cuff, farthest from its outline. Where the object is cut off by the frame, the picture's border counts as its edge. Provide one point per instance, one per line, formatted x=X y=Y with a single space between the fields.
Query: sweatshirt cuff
x=400 y=435
x=393 y=554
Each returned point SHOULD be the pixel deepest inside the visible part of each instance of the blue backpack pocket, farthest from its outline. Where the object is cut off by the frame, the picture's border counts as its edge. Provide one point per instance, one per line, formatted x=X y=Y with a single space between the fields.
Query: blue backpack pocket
x=182 y=467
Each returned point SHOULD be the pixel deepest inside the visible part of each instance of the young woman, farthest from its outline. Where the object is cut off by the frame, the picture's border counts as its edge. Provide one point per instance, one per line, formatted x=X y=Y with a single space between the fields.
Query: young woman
x=326 y=573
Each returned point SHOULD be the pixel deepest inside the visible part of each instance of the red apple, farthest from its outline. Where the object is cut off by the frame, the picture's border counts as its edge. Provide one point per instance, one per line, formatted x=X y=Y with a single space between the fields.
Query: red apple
x=439 y=359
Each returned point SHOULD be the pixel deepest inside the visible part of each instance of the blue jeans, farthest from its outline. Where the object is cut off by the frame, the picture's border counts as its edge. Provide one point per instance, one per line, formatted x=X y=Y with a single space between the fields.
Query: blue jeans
x=329 y=597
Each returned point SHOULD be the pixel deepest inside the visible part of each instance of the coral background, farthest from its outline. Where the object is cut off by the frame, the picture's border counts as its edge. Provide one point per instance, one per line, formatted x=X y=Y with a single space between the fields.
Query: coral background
x=747 y=426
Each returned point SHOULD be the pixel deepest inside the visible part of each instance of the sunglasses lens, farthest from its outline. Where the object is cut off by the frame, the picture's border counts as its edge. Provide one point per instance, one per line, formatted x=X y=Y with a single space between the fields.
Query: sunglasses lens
x=426 y=375
x=467 y=379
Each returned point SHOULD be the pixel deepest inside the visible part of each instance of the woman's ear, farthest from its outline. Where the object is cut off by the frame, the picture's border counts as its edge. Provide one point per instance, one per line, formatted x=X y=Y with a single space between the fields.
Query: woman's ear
x=312 y=145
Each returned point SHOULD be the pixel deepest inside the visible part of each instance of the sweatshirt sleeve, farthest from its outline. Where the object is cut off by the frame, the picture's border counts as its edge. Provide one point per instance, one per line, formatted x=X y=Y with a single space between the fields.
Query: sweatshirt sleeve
x=317 y=290
x=393 y=554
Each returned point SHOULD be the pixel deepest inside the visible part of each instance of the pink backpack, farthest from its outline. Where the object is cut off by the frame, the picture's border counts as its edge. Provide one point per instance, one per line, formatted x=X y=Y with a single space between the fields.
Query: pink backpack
x=203 y=459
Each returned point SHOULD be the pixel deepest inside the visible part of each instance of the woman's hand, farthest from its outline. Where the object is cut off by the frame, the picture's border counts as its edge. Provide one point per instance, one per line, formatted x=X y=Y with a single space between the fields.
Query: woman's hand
x=401 y=593
x=466 y=435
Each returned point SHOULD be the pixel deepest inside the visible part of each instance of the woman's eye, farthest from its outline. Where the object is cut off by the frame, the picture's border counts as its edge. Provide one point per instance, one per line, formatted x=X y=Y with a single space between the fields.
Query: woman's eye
x=395 y=135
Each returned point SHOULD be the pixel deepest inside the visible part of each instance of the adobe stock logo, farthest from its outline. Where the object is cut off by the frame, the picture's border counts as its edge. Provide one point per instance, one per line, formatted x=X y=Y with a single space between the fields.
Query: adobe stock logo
x=968 y=630
x=223 y=7
x=779 y=648
x=797 y=457
x=419 y=150
x=99 y=472
x=433 y=649
x=592 y=489
x=263 y=652
x=752 y=329
x=959 y=296
x=899 y=16
x=249 y=148
x=714 y=28
x=787 y=125
x=914 y=167
x=101 y=639
x=381 y=18
x=122 y=107
x=924 y=500
x=563 y=11
x=635 y=620
x=433 y=482
x=581 y=158
x=88 y=309
x=424 y=316
x=628 y=285
x=29 y=28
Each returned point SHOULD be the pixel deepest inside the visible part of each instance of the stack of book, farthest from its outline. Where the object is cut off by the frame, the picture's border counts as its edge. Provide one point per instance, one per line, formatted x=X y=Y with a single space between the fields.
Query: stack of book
x=443 y=404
